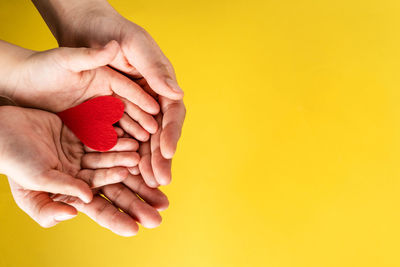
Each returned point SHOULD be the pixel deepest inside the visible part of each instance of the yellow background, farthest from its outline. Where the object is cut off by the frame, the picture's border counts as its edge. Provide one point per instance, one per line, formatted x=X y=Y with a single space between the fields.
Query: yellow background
x=291 y=149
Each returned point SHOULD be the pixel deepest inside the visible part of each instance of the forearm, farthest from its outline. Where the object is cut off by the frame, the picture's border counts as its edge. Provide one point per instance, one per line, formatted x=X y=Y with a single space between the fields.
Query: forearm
x=63 y=17
x=11 y=59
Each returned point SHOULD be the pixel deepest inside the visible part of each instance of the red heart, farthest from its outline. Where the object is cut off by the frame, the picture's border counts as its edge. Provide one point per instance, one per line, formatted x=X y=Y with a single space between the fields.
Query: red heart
x=92 y=121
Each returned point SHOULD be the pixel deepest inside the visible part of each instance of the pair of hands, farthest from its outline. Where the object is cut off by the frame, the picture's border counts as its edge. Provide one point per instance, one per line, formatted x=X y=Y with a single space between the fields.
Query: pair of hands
x=41 y=155
x=60 y=79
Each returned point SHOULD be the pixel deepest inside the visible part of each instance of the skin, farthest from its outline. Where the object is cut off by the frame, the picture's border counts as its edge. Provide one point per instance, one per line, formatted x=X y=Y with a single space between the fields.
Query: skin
x=93 y=23
x=61 y=78
x=40 y=155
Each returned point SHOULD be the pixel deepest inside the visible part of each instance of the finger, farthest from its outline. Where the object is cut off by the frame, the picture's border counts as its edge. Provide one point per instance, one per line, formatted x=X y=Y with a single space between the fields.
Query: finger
x=58 y=182
x=133 y=128
x=134 y=170
x=99 y=160
x=153 y=196
x=126 y=200
x=80 y=59
x=119 y=131
x=123 y=144
x=106 y=215
x=52 y=212
x=172 y=122
x=100 y=177
x=161 y=166
x=145 y=165
x=144 y=119
x=162 y=84
x=40 y=207
x=143 y=83
x=126 y=88
x=49 y=212
x=120 y=63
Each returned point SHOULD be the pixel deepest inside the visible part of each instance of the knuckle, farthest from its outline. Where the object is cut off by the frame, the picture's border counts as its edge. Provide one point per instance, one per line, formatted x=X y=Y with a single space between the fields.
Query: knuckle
x=91 y=159
x=114 y=158
x=100 y=209
x=117 y=192
x=123 y=173
x=139 y=185
x=91 y=178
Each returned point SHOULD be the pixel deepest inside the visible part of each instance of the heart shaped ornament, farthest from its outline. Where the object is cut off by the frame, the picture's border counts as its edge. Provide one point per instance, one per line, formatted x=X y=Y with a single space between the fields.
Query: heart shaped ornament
x=92 y=121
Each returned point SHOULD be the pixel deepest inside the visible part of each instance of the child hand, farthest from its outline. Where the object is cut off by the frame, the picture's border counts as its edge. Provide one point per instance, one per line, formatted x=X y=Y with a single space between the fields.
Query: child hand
x=61 y=78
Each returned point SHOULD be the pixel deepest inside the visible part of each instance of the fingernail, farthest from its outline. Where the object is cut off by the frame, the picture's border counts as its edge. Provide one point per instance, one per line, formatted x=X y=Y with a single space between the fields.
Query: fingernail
x=152 y=184
x=174 y=85
x=64 y=217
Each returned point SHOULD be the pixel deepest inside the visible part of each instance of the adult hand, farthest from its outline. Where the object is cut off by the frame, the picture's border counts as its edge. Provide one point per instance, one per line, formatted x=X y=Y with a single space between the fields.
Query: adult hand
x=38 y=153
x=48 y=210
x=41 y=155
x=139 y=203
x=93 y=23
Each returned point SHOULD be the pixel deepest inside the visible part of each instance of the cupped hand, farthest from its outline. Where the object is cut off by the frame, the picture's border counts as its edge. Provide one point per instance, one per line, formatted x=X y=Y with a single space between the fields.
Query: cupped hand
x=61 y=78
x=141 y=59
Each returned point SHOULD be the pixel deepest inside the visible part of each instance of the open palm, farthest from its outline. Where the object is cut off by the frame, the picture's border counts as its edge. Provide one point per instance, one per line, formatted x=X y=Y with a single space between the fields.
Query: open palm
x=41 y=155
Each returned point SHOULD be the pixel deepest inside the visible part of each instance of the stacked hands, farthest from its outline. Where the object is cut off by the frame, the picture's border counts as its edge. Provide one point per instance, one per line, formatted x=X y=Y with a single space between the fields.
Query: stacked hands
x=52 y=175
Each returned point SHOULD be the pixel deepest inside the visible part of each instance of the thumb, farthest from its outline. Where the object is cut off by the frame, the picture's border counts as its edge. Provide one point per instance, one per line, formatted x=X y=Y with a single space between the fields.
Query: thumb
x=40 y=207
x=146 y=57
x=80 y=59
x=52 y=212
x=57 y=182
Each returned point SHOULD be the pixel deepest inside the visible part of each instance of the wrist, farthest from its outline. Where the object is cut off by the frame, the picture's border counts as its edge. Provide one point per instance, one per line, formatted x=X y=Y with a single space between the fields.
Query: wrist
x=12 y=58
x=67 y=20
x=6 y=115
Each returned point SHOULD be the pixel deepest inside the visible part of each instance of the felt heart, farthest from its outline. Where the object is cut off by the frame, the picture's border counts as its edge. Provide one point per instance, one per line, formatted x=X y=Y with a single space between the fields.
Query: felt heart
x=92 y=121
